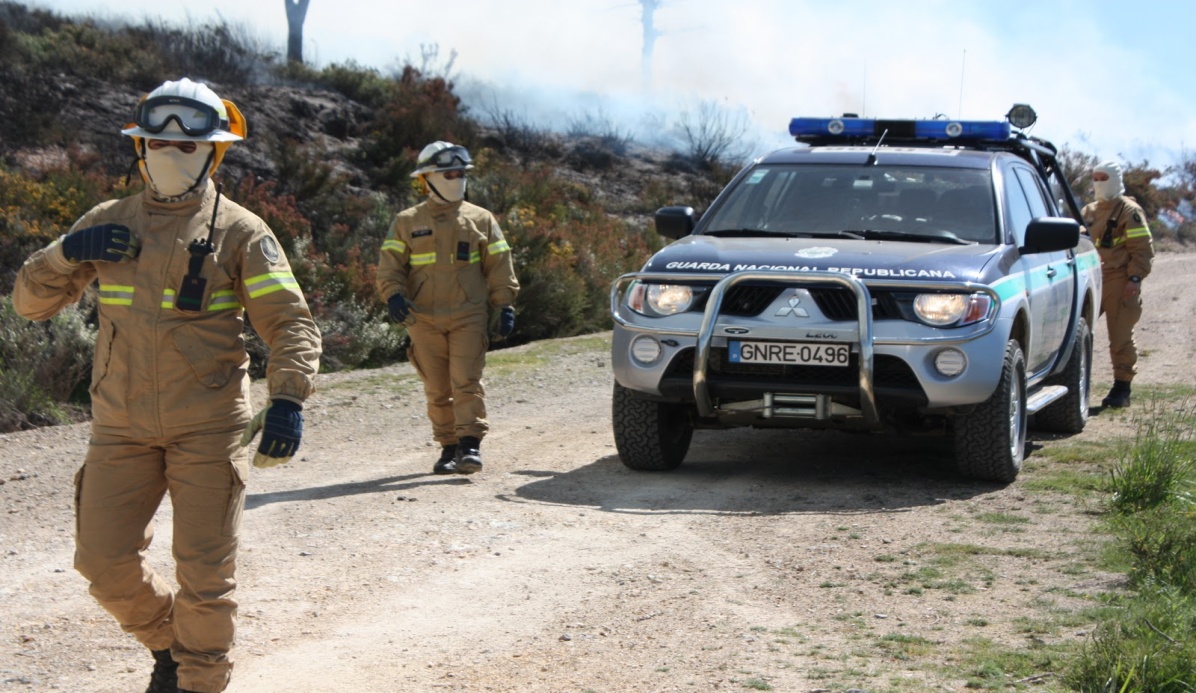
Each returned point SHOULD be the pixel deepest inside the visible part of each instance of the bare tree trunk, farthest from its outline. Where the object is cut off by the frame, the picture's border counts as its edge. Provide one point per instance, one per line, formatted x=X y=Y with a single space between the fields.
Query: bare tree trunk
x=650 y=36
x=296 y=13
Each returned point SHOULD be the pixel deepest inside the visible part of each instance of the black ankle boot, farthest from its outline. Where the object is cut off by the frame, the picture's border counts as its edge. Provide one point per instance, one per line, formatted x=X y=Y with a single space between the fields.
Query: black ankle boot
x=1119 y=396
x=165 y=677
x=447 y=464
x=469 y=455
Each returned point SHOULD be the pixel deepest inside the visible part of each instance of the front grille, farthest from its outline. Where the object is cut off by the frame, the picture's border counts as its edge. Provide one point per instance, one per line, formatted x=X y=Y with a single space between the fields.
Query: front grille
x=836 y=303
x=744 y=300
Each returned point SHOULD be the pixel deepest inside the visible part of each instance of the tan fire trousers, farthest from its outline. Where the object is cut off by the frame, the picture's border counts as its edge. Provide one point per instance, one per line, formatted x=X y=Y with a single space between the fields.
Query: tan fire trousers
x=449 y=353
x=117 y=493
x=1120 y=317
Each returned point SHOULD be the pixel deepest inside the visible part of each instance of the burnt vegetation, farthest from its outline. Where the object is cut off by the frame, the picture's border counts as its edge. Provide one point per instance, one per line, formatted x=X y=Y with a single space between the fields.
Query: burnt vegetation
x=327 y=165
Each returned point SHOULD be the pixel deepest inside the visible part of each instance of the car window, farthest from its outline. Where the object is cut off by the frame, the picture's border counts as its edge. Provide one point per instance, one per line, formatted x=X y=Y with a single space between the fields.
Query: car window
x=812 y=199
x=1019 y=210
x=1033 y=190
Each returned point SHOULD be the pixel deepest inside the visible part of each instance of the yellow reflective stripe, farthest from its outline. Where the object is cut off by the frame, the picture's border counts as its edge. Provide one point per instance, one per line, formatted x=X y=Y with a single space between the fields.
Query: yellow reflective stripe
x=269 y=283
x=395 y=245
x=168 y=298
x=498 y=247
x=423 y=259
x=224 y=300
x=1137 y=232
x=475 y=257
x=116 y=295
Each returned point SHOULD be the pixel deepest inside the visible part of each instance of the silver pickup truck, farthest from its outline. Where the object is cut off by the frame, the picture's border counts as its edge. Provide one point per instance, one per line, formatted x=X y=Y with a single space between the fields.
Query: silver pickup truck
x=898 y=275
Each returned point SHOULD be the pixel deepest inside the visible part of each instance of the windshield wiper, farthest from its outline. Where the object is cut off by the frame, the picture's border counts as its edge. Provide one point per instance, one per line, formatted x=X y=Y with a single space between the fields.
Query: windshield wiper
x=747 y=233
x=857 y=235
x=940 y=236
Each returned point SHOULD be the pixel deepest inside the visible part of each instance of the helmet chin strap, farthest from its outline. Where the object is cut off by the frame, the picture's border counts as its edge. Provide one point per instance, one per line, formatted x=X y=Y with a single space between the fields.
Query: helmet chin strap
x=434 y=190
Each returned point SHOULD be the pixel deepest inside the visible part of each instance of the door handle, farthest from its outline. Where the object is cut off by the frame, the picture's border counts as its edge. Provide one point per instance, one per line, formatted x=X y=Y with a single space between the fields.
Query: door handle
x=1051 y=272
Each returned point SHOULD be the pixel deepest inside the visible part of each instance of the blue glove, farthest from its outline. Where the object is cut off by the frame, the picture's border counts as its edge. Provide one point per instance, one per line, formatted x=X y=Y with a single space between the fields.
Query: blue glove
x=103 y=243
x=506 y=321
x=397 y=307
x=281 y=424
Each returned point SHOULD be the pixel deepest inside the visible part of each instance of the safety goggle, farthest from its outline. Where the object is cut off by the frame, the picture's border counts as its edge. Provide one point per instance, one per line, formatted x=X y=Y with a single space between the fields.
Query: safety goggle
x=455 y=155
x=195 y=118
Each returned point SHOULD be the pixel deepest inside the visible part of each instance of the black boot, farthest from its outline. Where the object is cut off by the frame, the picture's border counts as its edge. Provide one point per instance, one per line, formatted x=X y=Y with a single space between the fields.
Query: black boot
x=1119 y=396
x=165 y=677
x=469 y=456
x=447 y=464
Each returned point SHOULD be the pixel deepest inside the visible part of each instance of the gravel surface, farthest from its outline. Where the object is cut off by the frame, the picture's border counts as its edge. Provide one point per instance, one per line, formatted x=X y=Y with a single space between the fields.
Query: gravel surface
x=771 y=560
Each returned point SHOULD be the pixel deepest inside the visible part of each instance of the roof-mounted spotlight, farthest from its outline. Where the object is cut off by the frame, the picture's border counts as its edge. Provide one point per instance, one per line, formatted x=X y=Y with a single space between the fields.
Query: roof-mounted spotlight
x=1021 y=116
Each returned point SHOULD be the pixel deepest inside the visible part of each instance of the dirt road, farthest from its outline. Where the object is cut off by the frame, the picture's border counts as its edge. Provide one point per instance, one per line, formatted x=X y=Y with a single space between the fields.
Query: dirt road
x=771 y=560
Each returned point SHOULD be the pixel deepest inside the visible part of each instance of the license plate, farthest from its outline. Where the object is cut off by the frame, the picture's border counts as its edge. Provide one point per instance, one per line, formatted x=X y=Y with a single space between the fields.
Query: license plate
x=789 y=353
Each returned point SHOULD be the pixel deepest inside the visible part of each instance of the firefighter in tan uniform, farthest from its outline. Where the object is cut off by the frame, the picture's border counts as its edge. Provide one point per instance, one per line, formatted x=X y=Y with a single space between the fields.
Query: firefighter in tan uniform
x=444 y=265
x=179 y=268
x=1118 y=228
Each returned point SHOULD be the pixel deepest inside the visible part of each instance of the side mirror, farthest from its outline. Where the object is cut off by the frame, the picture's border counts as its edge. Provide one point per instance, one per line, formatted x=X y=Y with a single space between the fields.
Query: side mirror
x=675 y=222
x=1051 y=234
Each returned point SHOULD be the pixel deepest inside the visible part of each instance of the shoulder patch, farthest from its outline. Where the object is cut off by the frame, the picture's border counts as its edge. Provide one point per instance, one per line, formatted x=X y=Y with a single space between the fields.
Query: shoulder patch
x=1137 y=218
x=270 y=249
x=420 y=233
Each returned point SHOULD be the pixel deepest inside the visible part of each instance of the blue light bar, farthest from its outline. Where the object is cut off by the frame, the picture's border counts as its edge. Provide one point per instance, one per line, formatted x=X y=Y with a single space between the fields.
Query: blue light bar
x=925 y=130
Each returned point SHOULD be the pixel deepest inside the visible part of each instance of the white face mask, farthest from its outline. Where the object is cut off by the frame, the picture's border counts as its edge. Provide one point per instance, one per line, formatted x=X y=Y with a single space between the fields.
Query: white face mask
x=171 y=172
x=1106 y=189
x=447 y=190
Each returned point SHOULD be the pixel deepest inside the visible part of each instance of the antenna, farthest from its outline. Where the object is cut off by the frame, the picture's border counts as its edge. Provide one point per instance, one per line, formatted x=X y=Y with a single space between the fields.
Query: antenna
x=864 y=99
x=962 y=64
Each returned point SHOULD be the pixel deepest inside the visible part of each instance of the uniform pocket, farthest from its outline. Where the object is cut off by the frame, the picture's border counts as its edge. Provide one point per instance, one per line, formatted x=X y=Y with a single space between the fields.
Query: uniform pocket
x=236 y=497
x=205 y=363
x=472 y=283
x=103 y=355
x=78 y=496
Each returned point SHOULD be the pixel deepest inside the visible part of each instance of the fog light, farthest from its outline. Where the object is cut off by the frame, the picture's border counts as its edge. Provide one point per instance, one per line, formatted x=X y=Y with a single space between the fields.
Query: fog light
x=645 y=350
x=950 y=362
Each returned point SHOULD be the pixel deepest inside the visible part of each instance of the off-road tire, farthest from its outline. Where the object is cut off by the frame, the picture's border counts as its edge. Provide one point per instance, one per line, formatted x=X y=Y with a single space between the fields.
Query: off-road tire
x=1069 y=414
x=990 y=442
x=650 y=436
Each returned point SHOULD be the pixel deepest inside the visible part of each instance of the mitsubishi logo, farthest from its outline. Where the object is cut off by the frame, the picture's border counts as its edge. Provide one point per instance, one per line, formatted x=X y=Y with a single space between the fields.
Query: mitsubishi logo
x=793 y=309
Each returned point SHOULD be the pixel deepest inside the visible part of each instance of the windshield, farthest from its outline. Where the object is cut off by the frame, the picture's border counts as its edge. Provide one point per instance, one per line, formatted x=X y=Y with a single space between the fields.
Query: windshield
x=815 y=200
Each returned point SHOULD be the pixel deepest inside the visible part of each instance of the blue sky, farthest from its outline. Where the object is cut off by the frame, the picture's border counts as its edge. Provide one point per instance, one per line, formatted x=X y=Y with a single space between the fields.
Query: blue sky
x=1114 y=79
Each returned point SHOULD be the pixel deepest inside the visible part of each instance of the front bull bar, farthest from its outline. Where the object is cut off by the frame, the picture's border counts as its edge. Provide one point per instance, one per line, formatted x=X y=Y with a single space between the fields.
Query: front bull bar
x=714 y=304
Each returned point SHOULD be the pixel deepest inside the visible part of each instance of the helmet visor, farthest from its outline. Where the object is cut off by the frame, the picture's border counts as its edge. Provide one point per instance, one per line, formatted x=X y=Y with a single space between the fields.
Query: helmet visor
x=195 y=118
x=455 y=156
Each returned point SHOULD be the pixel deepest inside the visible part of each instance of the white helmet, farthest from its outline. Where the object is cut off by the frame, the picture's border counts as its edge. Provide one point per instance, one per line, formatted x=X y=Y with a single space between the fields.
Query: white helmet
x=442 y=156
x=186 y=110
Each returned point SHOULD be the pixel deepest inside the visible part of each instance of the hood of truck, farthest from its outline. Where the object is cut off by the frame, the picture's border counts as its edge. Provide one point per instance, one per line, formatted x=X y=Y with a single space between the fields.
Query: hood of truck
x=885 y=259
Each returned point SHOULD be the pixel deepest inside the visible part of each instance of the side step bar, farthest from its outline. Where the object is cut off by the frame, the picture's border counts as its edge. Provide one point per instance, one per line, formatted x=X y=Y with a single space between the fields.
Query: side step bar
x=1044 y=397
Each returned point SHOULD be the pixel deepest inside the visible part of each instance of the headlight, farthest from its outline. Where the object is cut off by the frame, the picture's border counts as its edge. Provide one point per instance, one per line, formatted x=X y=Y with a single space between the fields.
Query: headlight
x=942 y=310
x=659 y=299
x=667 y=299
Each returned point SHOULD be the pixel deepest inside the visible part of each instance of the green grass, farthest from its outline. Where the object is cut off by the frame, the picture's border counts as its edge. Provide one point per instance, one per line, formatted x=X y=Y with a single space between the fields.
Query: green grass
x=542 y=353
x=1002 y=519
x=1144 y=643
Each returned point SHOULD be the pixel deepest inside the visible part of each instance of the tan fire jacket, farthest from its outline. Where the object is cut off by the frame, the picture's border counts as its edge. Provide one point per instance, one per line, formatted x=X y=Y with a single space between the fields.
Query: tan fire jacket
x=447 y=258
x=159 y=369
x=1118 y=228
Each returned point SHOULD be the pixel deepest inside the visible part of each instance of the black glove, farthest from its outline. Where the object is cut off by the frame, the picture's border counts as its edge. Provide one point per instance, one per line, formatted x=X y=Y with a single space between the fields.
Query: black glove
x=281 y=425
x=397 y=307
x=506 y=321
x=103 y=243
